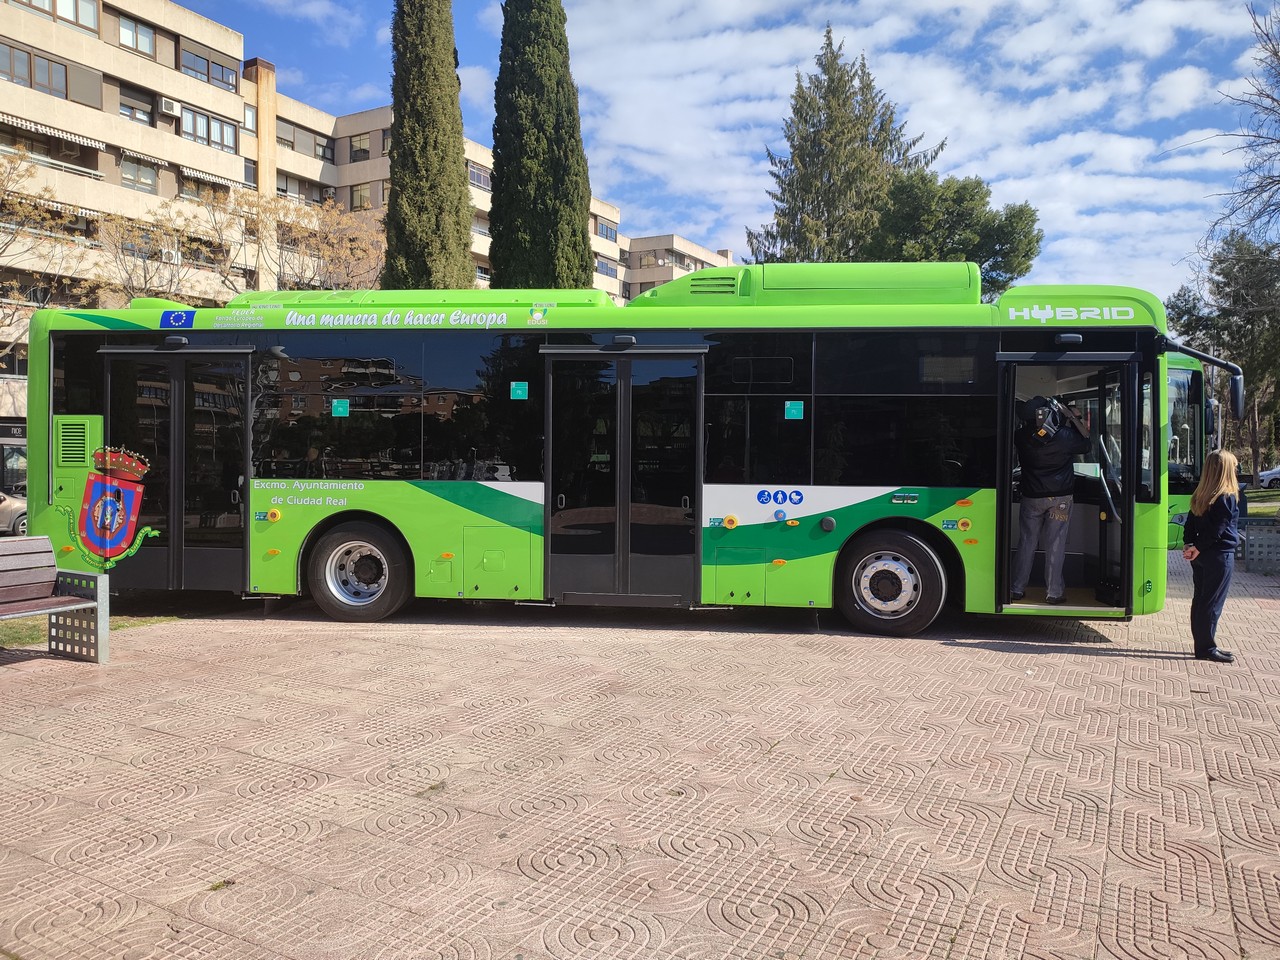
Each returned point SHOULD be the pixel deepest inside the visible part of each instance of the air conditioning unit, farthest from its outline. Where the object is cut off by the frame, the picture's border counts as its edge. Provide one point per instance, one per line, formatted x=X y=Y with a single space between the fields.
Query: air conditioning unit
x=171 y=256
x=170 y=108
x=328 y=193
x=68 y=149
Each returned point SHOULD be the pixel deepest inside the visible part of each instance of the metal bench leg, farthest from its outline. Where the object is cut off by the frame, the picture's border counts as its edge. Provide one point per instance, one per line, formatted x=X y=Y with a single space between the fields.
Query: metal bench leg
x=83 y=634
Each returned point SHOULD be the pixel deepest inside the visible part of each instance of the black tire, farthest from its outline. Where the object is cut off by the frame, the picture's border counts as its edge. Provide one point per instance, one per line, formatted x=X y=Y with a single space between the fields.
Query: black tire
x=359 y=573
x=890 y=583
x=20 y=526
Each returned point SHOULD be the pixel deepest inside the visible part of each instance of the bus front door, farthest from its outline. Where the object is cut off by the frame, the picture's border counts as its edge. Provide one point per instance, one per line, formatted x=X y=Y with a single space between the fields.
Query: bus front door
x=1099 y=552
x=622 y=479
x=185 y=415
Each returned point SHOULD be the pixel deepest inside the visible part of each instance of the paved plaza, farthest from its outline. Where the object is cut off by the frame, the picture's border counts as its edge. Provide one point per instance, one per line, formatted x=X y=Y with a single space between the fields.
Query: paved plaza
x=476 y=782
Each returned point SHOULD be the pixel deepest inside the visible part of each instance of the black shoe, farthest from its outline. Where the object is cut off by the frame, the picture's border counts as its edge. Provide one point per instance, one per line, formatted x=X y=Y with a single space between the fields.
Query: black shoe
x=1217 y=656
x=1015 y=597
x=1055 y=600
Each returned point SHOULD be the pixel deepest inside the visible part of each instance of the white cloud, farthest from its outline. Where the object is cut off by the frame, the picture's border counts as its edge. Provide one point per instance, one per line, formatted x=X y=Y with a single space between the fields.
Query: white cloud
x=1180 y=91
x=339 y=23
x=383 y=35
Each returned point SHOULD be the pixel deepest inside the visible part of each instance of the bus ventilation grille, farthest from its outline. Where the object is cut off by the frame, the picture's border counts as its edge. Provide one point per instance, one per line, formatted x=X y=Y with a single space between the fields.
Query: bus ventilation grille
x=73 y=445
x=717 y=286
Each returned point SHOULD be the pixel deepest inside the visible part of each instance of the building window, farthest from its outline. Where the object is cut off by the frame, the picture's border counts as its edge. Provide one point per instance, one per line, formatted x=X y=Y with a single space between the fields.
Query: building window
x=32 y=143
x=208 y=130
x=135 y=105
x=81 y=13
x=606 y=267
x=607 y=230
x=190 y=189
x=251 y=172
x=44 y=6
x=284 y=134
x=194 y=65
x=386 y=142
x=324 y=149
x=359 y=147
x=250 y=118
x=223 y=77
x=360 y=197
x=50 y=78
x=479 y=176
x=386 y=192
x=138 y=175
x=482 y=273
x=138 y=36
x=15 y=65
x=480 y=227
x=287 y=186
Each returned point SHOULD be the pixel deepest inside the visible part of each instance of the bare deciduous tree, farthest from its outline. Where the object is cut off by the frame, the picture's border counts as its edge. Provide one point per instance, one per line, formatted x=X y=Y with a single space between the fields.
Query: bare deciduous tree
x=1254 y=205
x=147 y=257
x=323 y=247
x=40 y=256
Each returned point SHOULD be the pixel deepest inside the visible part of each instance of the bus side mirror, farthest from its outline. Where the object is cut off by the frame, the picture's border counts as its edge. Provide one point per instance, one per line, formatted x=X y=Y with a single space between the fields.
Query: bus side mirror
x=1237 y=395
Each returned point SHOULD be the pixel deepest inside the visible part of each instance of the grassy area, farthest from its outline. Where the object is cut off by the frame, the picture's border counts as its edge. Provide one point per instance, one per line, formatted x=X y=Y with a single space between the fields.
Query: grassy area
x=1263 y=503
x=31 y=631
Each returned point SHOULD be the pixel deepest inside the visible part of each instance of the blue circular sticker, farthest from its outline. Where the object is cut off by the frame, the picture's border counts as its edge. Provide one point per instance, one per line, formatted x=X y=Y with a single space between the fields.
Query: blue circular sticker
x=779 y=514
x=764 y=496
x=779 y=496
x=796 y=496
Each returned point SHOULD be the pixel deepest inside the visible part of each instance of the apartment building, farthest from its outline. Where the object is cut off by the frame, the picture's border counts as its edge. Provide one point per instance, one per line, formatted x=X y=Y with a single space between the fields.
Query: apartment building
x=122 y=106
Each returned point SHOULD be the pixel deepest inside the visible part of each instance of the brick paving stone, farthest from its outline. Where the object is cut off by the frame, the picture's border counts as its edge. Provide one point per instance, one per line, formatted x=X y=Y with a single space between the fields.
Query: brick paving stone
x=485 y=783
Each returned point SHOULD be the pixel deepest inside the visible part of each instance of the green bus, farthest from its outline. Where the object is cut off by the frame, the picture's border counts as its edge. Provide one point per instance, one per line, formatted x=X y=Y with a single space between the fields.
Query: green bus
x=1192 y=428
x=789 y=435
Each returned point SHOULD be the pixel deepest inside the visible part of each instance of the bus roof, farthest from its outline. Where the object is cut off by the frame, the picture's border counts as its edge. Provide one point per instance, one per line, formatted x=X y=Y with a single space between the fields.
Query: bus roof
x=755 y=295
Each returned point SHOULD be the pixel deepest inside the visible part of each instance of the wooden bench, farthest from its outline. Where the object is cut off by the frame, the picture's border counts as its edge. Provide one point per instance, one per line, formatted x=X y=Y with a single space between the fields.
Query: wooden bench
x=76 y=603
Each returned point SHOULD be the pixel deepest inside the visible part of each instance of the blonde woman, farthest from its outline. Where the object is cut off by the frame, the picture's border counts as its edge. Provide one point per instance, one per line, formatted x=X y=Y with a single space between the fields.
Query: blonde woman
x=1210 y=537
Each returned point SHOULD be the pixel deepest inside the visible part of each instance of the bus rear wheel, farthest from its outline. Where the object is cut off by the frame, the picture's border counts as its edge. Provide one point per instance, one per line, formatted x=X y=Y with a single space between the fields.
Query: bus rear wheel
x=358 y=572
x=891 y=583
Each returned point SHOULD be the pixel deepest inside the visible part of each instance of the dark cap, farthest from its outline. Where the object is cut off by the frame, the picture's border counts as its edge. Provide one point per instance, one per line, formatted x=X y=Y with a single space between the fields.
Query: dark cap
x=1029 y=409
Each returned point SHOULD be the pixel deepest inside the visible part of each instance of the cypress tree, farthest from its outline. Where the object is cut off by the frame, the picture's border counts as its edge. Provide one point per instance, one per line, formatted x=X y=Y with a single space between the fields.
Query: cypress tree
x=428 y=217
x=541 y=192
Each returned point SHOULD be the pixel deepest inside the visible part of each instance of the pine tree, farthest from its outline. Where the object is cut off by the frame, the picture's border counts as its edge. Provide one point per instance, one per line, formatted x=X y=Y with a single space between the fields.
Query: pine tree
x=541 y=192
x=428 y=218
x=845 y=146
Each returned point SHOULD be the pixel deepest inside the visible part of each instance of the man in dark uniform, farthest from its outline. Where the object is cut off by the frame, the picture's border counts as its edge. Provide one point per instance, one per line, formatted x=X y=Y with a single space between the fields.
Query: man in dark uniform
x=1049 y=440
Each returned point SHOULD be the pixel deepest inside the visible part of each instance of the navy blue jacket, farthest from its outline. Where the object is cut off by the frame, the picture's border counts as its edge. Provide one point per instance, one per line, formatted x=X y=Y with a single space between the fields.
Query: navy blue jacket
x=1217 y=529
x=1048 y=468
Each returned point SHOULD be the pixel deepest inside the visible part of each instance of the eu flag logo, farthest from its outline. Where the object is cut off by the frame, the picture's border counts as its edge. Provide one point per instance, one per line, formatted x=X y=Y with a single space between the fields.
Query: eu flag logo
x=177 y=319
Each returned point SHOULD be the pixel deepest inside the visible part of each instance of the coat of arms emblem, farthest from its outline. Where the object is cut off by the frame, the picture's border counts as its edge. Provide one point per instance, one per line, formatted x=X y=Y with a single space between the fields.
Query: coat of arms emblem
x=112 y=500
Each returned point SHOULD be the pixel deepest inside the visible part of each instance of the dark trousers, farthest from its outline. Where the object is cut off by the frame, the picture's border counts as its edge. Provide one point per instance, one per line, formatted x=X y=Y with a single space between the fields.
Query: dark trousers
x=1211 y=575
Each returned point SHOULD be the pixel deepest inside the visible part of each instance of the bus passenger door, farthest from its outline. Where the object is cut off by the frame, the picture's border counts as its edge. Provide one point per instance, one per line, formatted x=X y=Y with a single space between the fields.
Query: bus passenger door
x=623 y=478
x=185 y=414
x=1099 y=558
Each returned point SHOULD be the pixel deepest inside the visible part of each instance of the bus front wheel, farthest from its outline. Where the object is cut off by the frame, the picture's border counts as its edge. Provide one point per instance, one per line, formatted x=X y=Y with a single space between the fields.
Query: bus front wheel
x=358 y=572
x=891 y=583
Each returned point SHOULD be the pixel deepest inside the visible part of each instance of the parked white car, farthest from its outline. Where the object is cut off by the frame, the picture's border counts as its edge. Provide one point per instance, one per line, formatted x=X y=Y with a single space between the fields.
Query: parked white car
x=1269 y=478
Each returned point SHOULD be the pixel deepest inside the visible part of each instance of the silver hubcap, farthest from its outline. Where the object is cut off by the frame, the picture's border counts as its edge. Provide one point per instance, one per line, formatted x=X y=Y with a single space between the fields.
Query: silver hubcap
x=356 y=573
x=887 y=585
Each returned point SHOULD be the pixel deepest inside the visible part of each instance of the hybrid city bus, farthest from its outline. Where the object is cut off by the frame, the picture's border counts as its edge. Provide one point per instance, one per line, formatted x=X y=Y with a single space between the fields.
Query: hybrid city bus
x=789 y=435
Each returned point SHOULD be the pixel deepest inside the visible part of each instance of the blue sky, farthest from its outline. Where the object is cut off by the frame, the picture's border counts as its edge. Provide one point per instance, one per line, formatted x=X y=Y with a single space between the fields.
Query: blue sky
x=1107 y=115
